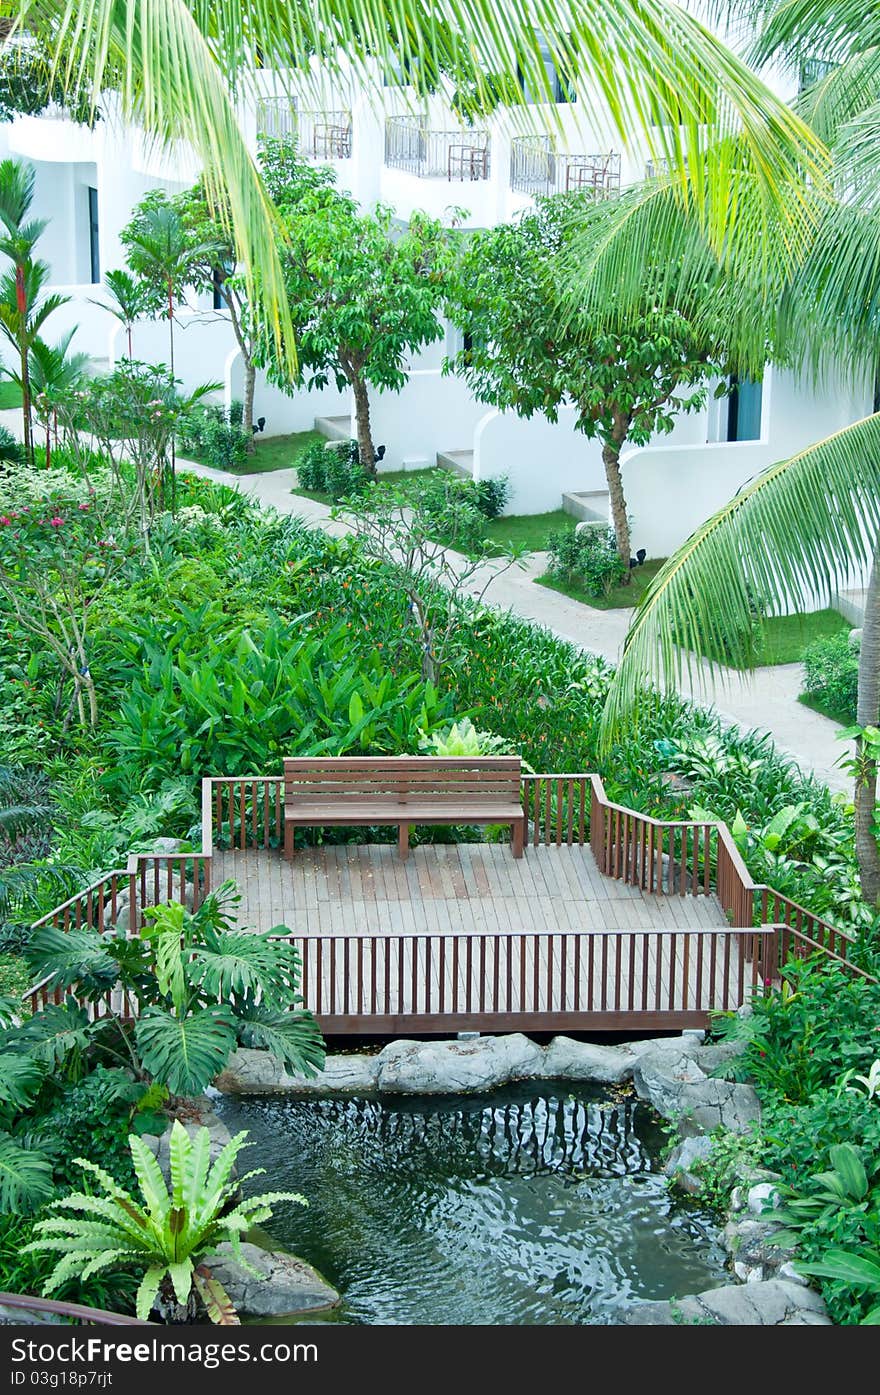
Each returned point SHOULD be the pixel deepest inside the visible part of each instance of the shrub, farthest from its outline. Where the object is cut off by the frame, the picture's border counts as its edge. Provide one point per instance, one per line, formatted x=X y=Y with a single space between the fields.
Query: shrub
x=831 y=674
x=334 y=469
x=211 y=433
x=588 y=557
x=10 y=448
x=490 y=496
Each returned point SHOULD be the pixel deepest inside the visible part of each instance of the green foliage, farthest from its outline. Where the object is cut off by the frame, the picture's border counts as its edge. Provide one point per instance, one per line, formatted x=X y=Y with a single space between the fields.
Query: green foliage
x=463 y=739
x=589 y=557
x=168 y=1235
x=95 y=1115
x=112 y=1290
x=210 y=434
x=831 y=675
x=10 y=447
x=200 y=987
x=801 y=1037
x=331 y=468
x=25 y=1177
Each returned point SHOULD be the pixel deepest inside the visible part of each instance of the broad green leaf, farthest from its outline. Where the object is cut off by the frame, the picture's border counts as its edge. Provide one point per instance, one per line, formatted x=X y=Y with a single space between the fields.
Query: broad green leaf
x=185 y=1053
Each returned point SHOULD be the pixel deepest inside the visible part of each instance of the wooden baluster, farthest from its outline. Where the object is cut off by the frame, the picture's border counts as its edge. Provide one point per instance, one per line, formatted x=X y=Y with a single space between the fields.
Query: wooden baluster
x=673 y=952
x=604 y=970
x=577 y=973
x=455 y=974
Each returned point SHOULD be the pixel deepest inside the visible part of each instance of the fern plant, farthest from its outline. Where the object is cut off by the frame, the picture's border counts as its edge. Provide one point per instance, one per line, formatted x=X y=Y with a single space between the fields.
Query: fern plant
x=168 y=1235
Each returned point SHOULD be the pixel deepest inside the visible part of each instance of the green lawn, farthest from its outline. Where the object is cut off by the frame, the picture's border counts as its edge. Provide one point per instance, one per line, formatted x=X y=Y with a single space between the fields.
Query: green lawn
x=843 y=719
x=271 y=453
x=10 y=395
x=618 y=598
x=387 y=478
x=529 y=529
x=787 y=636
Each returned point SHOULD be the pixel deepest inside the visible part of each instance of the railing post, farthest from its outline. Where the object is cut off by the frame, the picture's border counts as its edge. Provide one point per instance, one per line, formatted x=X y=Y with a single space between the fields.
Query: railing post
x=769 y=955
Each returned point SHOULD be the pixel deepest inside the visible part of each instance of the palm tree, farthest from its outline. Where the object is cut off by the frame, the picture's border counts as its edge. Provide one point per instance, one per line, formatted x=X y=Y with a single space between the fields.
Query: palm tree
x=661 y=75
x=21 y=317
x=55 y=374
x=129 y=301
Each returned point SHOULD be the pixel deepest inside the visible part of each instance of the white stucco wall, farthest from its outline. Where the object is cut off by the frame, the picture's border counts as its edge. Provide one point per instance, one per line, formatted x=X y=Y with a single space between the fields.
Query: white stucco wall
x=430 y=414
x=284 y=413
x=541 y=460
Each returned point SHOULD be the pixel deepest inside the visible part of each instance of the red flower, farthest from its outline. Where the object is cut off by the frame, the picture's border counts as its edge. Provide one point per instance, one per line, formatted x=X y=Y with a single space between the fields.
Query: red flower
x=56 y=522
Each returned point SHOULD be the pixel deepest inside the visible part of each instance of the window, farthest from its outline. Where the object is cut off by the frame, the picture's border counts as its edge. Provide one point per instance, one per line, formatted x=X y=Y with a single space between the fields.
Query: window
x=218 y=301
x=94 y=245
x=560 y=90
x=743 y=410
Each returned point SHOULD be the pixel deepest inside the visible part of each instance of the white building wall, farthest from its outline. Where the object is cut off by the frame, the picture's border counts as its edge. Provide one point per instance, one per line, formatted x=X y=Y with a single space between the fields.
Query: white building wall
x=540 y=460
x=430 y=414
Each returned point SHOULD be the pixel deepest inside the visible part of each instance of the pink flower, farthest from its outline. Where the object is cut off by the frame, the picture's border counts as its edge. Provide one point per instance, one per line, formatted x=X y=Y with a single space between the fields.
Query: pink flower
x=83 y=507
x=56 y=522
x=4 y=519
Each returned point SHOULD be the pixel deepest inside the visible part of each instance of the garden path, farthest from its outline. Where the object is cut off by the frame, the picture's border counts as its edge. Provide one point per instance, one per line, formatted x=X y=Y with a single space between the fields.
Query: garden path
x=765 y=700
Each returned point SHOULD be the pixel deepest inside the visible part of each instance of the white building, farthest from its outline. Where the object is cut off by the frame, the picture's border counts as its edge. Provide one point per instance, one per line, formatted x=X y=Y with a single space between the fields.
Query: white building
x=385 y=148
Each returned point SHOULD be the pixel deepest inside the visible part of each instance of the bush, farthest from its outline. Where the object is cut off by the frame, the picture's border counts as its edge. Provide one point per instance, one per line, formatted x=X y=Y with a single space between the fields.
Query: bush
x=325 y=468
x=210 y=433
x=10 y=448
x=831 y=675
x=588 y=557
x=490 y=496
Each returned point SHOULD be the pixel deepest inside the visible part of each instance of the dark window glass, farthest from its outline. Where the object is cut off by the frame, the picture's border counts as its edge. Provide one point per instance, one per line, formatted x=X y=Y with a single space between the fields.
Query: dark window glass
x=94 y=246
x=744 y=409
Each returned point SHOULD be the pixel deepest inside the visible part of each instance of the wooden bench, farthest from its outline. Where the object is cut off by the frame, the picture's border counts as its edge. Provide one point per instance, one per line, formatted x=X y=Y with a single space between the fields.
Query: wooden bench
x=355 y=791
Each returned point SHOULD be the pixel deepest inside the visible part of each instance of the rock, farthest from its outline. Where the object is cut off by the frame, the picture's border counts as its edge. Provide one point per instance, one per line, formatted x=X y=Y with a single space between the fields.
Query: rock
x=681 y=1161
x=737 y=1199
x=565 y=1059
x=679 y=1089
x=250 y=1072
x=774 y=1303
x=457 y=1067
x=203 y=1117
x=762 y=1198
x=855 y=639
x=288 y=1285
x=753 y=1244
x=166 y=847
x=787 y=1271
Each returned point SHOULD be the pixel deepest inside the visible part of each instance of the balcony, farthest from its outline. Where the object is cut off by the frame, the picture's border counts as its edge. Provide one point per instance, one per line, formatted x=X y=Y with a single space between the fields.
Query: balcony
x=461 y=155
x=319 y=134
x=537 y=169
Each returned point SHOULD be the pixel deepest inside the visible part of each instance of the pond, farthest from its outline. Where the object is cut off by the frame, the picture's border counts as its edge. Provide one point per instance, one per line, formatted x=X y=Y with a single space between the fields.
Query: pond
x=532 y=1205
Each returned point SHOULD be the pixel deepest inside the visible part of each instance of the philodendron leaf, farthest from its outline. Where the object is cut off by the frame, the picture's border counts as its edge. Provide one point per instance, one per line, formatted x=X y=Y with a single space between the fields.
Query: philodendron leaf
x=185 y=1053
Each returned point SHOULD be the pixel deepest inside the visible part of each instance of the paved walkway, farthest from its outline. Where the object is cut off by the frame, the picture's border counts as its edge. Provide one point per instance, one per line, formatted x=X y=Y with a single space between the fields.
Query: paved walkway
x=765 y=700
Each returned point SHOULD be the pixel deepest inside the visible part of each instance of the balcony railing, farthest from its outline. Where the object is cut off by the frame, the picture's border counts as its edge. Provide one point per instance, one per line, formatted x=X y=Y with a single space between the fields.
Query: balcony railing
x=276 y=117
x=536 y=169
x=319 y=134
x=461 y=155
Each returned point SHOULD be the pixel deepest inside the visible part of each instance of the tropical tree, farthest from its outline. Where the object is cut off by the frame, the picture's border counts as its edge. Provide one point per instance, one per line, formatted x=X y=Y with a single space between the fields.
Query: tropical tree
x=212 y=268
x=129 y=301
x=54 y=374
x=627 y=380
x=162 y=254
x=662 y=77
x=22 y=312
x=169 y=1235
x=361 y=299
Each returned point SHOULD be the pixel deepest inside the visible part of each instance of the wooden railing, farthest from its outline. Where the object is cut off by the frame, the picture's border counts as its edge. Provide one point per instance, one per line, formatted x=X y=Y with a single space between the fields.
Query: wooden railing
x=609 y=980
x=77 y=1312
x=660 y=857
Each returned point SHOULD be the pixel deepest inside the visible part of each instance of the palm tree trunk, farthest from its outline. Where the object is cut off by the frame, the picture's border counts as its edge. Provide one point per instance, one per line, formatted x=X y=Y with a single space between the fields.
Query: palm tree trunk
x=868 y=715
x=366 y=450
x=611 y=461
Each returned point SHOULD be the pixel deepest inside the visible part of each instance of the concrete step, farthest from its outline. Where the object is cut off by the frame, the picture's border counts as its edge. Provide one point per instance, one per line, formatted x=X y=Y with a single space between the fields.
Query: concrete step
x=460 y=462
x=334 y=428
x=591 y=505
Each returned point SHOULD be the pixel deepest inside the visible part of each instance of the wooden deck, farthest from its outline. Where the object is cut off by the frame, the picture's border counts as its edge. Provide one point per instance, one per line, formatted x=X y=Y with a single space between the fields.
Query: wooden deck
x=453 y=889
x=465 y=936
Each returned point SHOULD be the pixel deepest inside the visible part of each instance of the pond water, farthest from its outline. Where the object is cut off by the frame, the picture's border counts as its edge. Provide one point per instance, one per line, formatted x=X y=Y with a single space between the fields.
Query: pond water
x=540 y=1205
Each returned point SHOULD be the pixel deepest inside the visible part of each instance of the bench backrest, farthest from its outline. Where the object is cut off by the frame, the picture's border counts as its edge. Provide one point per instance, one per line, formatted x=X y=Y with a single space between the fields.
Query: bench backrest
x=449 y=781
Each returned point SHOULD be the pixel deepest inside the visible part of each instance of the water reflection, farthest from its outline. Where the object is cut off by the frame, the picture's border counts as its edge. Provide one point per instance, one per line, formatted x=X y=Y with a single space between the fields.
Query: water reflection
x=524 y=1207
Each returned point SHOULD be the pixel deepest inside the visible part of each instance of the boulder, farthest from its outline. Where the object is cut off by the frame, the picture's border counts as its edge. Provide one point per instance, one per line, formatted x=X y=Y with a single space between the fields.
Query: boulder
x=565 y=1059
x=201 y=1116
x=680 y=1163
x=251 y=1072
x=677 y=1087
x=761 y=1198
x=776 y=1303
x=457 y=1067
x=752 y=1245
x=287 y=1285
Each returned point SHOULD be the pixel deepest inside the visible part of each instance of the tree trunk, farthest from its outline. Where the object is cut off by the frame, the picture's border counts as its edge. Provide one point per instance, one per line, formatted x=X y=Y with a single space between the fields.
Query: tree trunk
x=611 y=461
x=247 y=416
x=366 y=450
x=868 y=715
x=22 y=307
x=171 y=352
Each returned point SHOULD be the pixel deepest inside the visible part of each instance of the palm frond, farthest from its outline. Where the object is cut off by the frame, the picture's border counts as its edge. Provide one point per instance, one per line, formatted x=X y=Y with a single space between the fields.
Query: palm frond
x=794 y=533
x=662 y=77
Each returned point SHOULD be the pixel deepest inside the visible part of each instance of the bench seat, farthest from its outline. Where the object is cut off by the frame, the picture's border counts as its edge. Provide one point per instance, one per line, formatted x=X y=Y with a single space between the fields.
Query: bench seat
x=369 y=791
